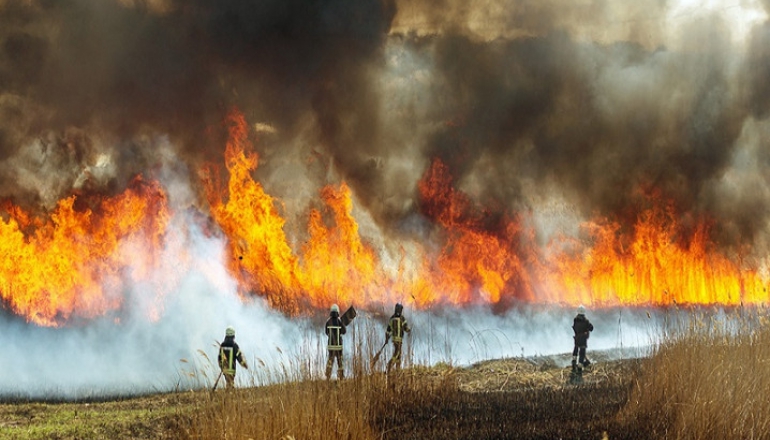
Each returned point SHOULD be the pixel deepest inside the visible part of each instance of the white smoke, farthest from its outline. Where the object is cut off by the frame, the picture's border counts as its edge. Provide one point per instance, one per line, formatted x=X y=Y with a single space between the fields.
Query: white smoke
x=625 y=93
x=133 y=354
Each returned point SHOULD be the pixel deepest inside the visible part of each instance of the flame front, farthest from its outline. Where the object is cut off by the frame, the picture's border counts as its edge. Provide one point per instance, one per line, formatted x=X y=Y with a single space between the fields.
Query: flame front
x=78 y=263
x=655 y=268
x=72 y=265
x=482 y=260
x=335 y=265
x=472 y=258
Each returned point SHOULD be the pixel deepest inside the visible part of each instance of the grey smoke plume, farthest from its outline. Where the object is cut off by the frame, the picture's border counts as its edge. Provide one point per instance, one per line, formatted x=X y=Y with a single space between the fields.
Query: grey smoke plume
x=529 y=103
x=592 y=101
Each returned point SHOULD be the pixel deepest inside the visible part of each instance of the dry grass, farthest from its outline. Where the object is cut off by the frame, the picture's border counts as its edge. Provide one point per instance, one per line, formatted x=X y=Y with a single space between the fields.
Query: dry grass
x=507 y=399
x=294 y=401
x=704 y=380
x=707 y=380
x=422 y=401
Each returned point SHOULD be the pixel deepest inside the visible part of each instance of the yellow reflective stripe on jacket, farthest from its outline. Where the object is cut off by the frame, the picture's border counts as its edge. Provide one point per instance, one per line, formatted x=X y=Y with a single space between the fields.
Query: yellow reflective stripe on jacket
x=334 y=336
x=396 y=328
x=229 y=359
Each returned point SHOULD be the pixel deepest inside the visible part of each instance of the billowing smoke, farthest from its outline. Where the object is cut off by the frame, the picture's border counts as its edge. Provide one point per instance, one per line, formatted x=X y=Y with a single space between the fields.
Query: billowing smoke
x=532 y=105
x=590 y=101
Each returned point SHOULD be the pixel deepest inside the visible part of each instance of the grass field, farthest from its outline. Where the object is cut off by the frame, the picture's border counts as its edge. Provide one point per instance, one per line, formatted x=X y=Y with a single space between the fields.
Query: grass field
x=704 y=380
x=505 y=398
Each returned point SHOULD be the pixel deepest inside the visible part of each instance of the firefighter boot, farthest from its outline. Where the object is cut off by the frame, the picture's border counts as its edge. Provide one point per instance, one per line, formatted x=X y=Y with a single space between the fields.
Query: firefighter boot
x=579 y=374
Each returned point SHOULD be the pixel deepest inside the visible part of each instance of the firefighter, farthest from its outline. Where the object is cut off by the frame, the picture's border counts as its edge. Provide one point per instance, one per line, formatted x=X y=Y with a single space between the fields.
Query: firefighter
x=583 y=328
x=397 y=326
x=335 y=328
x=229 y=356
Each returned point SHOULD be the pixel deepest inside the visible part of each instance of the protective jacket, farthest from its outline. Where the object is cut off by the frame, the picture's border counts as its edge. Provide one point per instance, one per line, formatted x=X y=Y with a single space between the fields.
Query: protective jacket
x=230 y=355
x=583 y=328
x=397 y=326
x=334 y=331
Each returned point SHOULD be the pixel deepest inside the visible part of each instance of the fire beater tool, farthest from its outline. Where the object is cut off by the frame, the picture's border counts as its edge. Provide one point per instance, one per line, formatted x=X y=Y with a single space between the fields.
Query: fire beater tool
x=216 y=382
x=348 y=316
x=221 y=371
x=377 y=355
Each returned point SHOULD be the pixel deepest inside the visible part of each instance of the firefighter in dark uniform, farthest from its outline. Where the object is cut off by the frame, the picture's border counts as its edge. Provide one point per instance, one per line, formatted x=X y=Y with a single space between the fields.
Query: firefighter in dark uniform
x=583 y=328
x=229 y=356
x=334 y=331
x=397 y=326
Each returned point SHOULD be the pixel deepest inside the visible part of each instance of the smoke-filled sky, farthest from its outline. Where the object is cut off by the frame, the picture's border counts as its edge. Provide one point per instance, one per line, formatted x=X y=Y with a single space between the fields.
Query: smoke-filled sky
x=568 y=109
x=527 y=102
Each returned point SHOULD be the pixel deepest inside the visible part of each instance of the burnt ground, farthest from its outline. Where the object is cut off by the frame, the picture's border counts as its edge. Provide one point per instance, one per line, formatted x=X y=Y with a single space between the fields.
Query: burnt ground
x=517 y=399
x=587 y=413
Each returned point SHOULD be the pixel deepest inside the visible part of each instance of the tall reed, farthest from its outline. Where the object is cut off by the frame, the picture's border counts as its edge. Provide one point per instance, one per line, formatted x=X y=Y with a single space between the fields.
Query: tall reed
x=293 y=400
x=707 y=379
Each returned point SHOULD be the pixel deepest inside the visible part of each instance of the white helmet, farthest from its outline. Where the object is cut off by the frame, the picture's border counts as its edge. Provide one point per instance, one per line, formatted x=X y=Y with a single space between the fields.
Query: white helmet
x=230 y=331
x=581 y=310
x=334 y=308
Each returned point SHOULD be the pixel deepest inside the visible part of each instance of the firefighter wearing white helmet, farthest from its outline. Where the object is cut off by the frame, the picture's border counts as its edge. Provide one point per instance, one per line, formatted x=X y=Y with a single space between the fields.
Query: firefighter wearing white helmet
x=582 y=328
x=335 y=328
x=229 y=356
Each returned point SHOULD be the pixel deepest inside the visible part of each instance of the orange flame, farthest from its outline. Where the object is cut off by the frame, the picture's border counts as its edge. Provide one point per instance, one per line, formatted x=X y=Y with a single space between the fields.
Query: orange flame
x=659 y=267
x=261 y=258
x=336 y=265
x=476 y=264
x=476 y=257
x=73 y=264
x=76 y=264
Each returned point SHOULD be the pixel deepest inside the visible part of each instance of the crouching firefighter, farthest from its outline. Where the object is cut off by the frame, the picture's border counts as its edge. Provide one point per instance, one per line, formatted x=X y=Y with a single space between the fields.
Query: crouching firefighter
x=583 y=328
x=397 y=326
x=335 y=328
x=229 y=356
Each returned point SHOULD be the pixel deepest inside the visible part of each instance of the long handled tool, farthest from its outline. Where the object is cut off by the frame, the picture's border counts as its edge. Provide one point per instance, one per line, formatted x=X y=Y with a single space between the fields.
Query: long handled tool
x=221 y=371
x=216 y=382
x=377 y=355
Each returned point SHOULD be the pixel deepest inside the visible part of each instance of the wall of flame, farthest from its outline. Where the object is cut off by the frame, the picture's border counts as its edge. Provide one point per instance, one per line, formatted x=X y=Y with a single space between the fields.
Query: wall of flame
x=73 y=264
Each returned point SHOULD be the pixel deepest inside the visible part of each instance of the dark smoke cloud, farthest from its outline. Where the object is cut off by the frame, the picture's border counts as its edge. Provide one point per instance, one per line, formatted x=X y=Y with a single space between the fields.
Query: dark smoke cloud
x=758 y=70
x=603 y=120
x=585 y=102
x=594 y=100
x=123 y=71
